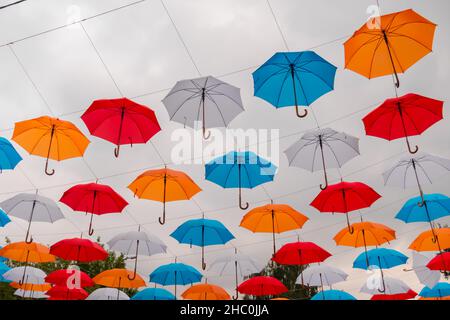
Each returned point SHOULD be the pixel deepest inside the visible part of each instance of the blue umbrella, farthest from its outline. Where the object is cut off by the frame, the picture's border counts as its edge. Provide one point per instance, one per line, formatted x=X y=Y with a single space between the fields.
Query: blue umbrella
x=2 y=259
x=4 y=219
x=202 y=232
x=153 y=294
x=434 y=206
x=175 y=273
x=3 y=268
x=294 y=79
x=333 y=295
x=440 y=290
x=9 y=157
x=240 y=170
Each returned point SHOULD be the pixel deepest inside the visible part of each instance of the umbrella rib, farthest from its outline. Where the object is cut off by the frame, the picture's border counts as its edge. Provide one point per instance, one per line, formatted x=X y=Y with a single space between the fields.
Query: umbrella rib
x=193 y=96
x=301 y=87
x=217 y=107
x=380 y=41
x=303 y=69
x=214 y=93
x=314 y=156
x=268 y=78
x=281 y=87
x=376 y=37
x=424 y=172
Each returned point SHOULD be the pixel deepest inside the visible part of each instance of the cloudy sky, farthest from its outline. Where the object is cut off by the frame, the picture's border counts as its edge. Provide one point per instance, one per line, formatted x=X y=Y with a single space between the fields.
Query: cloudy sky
x=148 y=46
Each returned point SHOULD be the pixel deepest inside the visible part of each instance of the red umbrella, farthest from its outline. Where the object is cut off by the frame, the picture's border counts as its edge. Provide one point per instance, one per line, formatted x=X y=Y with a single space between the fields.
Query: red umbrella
x=262 y=286
x=401 y=296
x=70 y=278
x=440 y=262
x=344 y=197
x=403 y=117
x=65 y=293
x=93 y=198
x=121 y=121
x=300 y=253
x=80 y=250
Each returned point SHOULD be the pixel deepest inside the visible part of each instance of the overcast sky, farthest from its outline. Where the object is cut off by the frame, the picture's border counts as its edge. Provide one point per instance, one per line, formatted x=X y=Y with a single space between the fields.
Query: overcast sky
x=60 y=74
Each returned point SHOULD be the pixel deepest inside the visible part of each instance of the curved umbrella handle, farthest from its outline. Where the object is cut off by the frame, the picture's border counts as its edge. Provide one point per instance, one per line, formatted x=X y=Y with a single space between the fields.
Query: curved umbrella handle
x=236 y=297
x=91 y=230
x=382 y=281
x=324 y=186
x=416 y=148
x=47 y=171
x=162 y=220
x=29 y=241
x=242 y=205
x=351 y=230
x=305 y=113
x=117 y=151
x=206 y=135
x=203 y=258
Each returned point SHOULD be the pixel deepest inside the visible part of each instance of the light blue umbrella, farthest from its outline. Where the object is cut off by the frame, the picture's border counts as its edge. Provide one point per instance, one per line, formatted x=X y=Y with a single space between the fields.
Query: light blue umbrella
x=153 y=294
x=434 y=206
x=240 y=170
x=3 y=268
x=9 y=158
x=2 y=259
x=294 y=79
x=4 y=219
x=440 y=290
x=333 y=295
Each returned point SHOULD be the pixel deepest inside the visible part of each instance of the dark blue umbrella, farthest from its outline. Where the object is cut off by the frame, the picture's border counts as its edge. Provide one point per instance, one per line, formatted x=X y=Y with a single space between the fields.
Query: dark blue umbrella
x=240 y=170
x=333 y=295
x=202 y=232
x=4 y=219
x=9 y=158
x=153 y=294
x=294 y=79
x=440 y=290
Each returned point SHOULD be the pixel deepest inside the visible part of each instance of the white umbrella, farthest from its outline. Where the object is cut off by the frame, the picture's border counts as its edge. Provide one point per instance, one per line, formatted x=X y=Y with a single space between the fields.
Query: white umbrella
x=135 y=243
x=30 y=294
x=426 y=276
x=321 y=149
x=108 y=294
x=374 y=285
x=32 y=207
x=321 y=275
x=207 y=99
x=25 y=274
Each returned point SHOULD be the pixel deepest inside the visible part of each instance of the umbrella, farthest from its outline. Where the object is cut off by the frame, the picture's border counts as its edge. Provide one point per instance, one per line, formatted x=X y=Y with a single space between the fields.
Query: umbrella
x=344 y=197
x=30 y=294
x=440 y=262
x=72 y=278
x=395 y=43
x=333 y=295
x=50 y=138
x=438 y=240
x=93 y=198
x=137 y=243
x=294 y=79
x=121 y=121
x=236 y=263
x=32 y=275
x=440 y=290
x=44 y=287
x=65 y=293
x=164 y=185
x=273 y=218
x=213 y=102
x=423 y=273
x=202 y=232
x=321 y=149
x=175 y=274
x=437 y=206
x=32 y=207
x=4 y=219
x=391 y=286
x=321 y=275
x=9 y=158
x=240 y=170
x=205 y=291
x=79 y=250
x=107 y=294
x=3 y=268
x=410 y=294
x=153 y=294
x=119 y=278
x=262 y=286
x=300 y=253
x=403 y=117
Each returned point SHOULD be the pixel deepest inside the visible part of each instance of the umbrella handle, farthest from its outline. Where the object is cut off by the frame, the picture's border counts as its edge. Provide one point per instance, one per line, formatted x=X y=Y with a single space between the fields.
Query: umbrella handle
x=29 y=241
x=91 y=230
x=203 y=258
x=305 y=113
x=206 y=134
x=408 y=270
x=416 y=148
x=47 y=171
x=132 y=277
x=162 y=220
x=236 y=297
x=117 y=151
x=382 y=280
x=242 y=205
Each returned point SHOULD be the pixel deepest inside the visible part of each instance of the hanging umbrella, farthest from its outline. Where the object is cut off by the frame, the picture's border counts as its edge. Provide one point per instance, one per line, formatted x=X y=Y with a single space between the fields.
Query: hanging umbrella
x=440 y=290
x=30 y=294
x=208 y=100
x=438 y=240
x=426 y=276
x=153 y=294
x=107 y=294
x=321 y=149
x=32 y=275
x=321 y=275
x=44 y=287
x=300 y=253
x=70 y=278
x=345 y=197
x=3 y=268
x=395 y=43
x=202 y=232
x=65 y=293
x=237 y=263
x=262 y=286
x=437 y=206
x=79 y=250
x=294 y=79
x=175 y=274
x=164 y=185
x=32 y=207
x=333 y=295
x=240 y=170
x=403 y=117
x=50 y=138
x=205 y=291
x=391 y=286
x=4 y=219
x=9 y=158
x=440 y=262
x=93 y=198
x=273 y=218
x=119 y=278
x=411 y=294
x=137 y=243
x=121 y=121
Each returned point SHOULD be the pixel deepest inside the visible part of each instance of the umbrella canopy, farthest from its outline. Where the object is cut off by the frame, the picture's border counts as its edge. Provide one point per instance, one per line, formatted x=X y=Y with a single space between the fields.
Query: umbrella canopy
x=50 y=138
x=108 y=294
x=3 y=269
x=164 y=185
x=79 y=250
x=65 y=293
x=262 y=286
x=32 y=275
x=381 y=258
x=4 y=219
x=93 y=198
x=390 y=286
x=333 y=295
x=44 y=287
x=32 y=207
x=153 y=294
x=273 y=218
x=27 y=252
x=205 y=291
x=300 y=253
x=29 y=294
x=411 y=294
x=294 y=79
x=121 y=121
x=440 y=290
x=321 y=275
x=208 y=100
x=438 y=206
x=9 y=158
x=119 y=278
x=70 y=278
x=426 y=276
x=321 y=149
x=438 y=240
x=403 y=117
x=240 y=170
x=202 y=232
x=440 y=262
x=389 y=45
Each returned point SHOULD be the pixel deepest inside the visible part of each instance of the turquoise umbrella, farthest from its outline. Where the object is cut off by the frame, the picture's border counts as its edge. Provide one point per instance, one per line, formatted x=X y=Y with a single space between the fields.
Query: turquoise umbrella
x=153 y=294
x=440 y=290
x=9 y=158
x=333 y=295
x=4 y=219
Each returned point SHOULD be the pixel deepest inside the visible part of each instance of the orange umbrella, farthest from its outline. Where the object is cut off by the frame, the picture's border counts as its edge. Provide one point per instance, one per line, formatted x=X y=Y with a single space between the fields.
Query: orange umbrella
x=389 y=44
x=50 y=138
x=429 y=241
x=279 y=299
x=119 y=278
x=205 y=291
x=31 y=287
x=164 y=185
x=443 y=298
x=273 y=218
